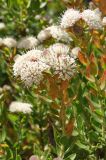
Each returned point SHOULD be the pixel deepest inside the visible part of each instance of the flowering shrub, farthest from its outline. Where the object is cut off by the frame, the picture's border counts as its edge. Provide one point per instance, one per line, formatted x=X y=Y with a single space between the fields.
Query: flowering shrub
x=53 y=82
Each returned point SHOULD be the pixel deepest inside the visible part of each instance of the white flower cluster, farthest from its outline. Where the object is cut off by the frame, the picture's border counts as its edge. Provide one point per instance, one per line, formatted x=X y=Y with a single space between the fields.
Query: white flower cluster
x=9 y=42
x=70 y=17
x=16 y=106
x=44 y=35
x=55 y=32
x=30 y=67
x=58 y=57
x=91 y=17
x=61 y=62
x=27 y=43
x=58 y=33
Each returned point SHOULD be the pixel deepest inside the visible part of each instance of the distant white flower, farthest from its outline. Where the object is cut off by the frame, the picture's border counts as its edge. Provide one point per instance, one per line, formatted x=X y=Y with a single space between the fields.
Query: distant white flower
x=1 y=41
x=60 y=34
x=70 y=17
x=34 y=157
x=7 y=88
x=60 y=61
x=9 y=42
x=28 y=43
x=2 y=26
x=38 y=17
x=104 y=21
x=75 y=51
x=16 y=106
x=92 y=18
x=30 y=67
x=44 y=35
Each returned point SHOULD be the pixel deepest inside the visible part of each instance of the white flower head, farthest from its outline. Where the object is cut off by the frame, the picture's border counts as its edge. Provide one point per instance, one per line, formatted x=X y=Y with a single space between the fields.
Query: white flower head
x=104 y=21
x=30 y=67
x=28 y=43
x=44 y=35
x=60 y=34
x=58 y=49
x=2 y=26
x=92 y=18
x=58 y=58
x=9 y=42
x=70 y=17
x=16 y=106
x=75 y=51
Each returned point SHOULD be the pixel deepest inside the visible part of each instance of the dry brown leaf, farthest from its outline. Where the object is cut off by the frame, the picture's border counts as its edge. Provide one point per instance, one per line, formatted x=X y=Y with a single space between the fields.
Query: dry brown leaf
x=69 y=127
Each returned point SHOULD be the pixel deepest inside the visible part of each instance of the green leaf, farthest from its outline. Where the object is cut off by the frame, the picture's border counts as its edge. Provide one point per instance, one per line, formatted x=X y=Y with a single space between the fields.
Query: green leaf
x=71 y=157
x=83 y=146
x=18 y=157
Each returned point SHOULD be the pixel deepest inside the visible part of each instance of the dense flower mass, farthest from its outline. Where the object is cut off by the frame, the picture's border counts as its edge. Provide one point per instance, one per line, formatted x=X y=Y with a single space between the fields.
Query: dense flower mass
x=92 y=18
x=16 y=106
x=28 y=43
x=30 y=67
x=61 y=62
x=70 y=17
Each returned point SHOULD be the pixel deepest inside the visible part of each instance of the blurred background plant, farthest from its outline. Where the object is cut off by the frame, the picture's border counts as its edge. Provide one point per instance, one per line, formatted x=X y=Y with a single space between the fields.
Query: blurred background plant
x=40 y=133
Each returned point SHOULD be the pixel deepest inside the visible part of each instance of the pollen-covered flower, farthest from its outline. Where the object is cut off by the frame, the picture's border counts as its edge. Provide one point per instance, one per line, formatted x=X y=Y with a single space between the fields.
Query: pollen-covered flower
x=104 y=21
x=92 y=18
x=60 y=61
x=9 y=42
x=28 y=43
x=17 y=106
x=2 y=26
x=70 y=17
x=30 y=67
